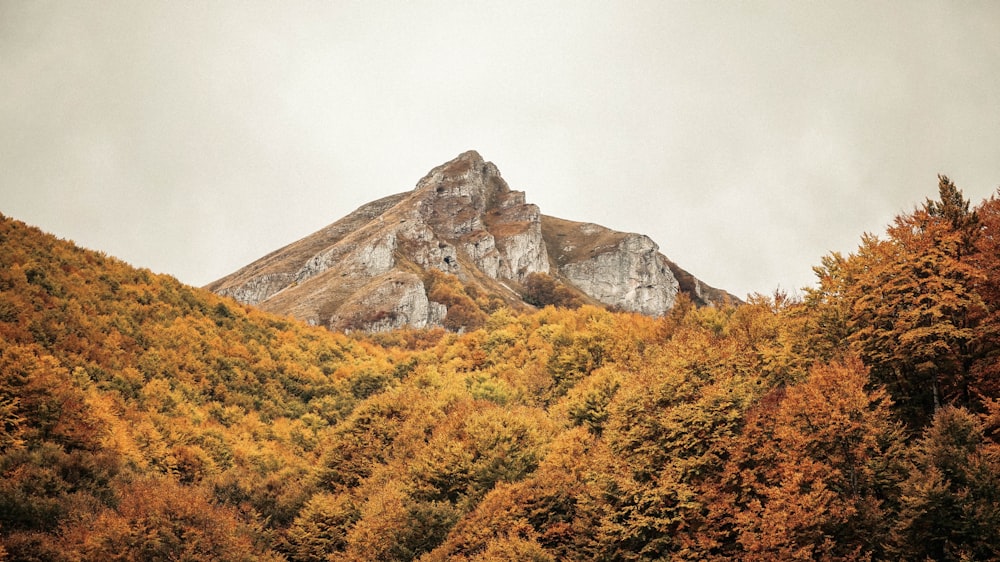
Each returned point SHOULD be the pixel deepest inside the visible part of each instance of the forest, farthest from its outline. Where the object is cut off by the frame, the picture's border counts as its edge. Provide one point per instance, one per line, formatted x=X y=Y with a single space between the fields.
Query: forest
x=143 y=419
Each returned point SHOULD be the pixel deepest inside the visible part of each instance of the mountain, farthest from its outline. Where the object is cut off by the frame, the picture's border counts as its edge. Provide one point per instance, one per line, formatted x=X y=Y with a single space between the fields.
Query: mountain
x=142 y=419
x=375 y=268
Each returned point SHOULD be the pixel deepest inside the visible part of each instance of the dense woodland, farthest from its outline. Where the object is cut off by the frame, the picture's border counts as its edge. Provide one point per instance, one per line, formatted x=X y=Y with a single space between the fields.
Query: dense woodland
x=144 y=419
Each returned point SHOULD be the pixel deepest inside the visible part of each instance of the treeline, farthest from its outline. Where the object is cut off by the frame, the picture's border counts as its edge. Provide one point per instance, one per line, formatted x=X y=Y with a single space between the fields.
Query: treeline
x=143 y=419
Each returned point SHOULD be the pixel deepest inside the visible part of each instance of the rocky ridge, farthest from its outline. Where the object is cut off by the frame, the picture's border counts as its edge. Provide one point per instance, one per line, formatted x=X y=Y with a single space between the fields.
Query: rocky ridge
x=369 y=270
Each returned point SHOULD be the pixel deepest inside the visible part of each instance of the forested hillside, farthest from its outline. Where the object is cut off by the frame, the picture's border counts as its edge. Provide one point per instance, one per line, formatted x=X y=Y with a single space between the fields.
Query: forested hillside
x=144 y=419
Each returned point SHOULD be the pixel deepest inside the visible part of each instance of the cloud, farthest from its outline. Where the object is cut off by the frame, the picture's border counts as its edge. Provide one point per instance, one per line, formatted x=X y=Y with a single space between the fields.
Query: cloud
x=746 y=139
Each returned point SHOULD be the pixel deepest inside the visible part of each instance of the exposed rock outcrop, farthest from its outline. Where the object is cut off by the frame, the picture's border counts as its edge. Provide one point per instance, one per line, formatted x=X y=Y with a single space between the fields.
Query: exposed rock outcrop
x=632 y=276
x=258 y=289
x=396 y=300
x=465 y=202
x=365 y=270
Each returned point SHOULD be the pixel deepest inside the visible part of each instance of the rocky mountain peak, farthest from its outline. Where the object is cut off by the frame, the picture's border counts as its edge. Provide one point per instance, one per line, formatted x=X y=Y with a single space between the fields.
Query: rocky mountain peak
x=468 y=175
x=456 y=196
x=370 y=269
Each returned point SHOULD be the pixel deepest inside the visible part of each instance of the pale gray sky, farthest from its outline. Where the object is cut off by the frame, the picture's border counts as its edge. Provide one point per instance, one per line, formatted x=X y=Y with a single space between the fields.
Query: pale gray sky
x=747 y=139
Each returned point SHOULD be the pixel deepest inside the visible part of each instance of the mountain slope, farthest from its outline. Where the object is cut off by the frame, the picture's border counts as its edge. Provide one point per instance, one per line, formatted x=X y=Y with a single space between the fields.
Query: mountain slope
x=369 y=269
x=141 y=419
x=138 y=414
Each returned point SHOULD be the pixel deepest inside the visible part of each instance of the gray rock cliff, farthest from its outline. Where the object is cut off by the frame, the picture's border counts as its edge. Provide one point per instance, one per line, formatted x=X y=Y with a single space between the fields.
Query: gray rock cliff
x=369 y=270
x=631 y=275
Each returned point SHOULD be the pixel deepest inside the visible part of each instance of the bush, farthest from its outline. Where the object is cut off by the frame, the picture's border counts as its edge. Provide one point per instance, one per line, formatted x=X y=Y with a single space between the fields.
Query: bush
x=541 y=289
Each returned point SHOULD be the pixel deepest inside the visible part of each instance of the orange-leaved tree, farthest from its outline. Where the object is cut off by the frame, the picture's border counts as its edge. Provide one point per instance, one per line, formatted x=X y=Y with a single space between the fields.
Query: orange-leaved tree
x=812 y=476
x=908 y=304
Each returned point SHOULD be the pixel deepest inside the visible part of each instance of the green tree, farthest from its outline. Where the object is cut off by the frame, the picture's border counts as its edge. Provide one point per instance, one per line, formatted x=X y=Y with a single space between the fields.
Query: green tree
x=950 y=504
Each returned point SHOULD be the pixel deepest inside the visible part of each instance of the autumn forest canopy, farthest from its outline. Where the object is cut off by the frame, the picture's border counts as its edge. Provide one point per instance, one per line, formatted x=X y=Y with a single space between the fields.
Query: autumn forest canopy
x=143 y=419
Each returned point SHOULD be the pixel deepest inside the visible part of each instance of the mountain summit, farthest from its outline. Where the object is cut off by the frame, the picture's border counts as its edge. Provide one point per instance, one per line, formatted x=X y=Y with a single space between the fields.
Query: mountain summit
x=460 y=241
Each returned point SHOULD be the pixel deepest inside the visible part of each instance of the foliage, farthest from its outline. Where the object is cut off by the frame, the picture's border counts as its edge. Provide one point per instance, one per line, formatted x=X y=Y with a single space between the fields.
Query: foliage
x=464 y=312
x=541 y=289
x=144 y=419
x=950 y=504
x=810 y=475
x=910 y=305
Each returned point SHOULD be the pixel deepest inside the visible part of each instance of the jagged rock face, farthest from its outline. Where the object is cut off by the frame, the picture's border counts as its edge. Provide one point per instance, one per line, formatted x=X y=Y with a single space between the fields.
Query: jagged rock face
x=259 y=288
x=632 y=276
x=461 y=215
x=394 y=301
x=363 y=271
x=466 y=202
x=371 y=258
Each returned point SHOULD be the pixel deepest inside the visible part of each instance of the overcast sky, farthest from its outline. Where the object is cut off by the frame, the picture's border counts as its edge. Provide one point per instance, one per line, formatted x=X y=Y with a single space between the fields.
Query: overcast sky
x=748 y=139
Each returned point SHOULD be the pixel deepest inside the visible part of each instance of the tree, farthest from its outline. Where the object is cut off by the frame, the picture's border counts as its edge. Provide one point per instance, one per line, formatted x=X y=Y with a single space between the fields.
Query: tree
x=158 y=519
x=470 y=453
x=950 y=504
x=463 y=311
x=812 y=476
x=541 y=289
x=985 y=379
x=909 y=304
x=953 y=208
x=553 y=509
